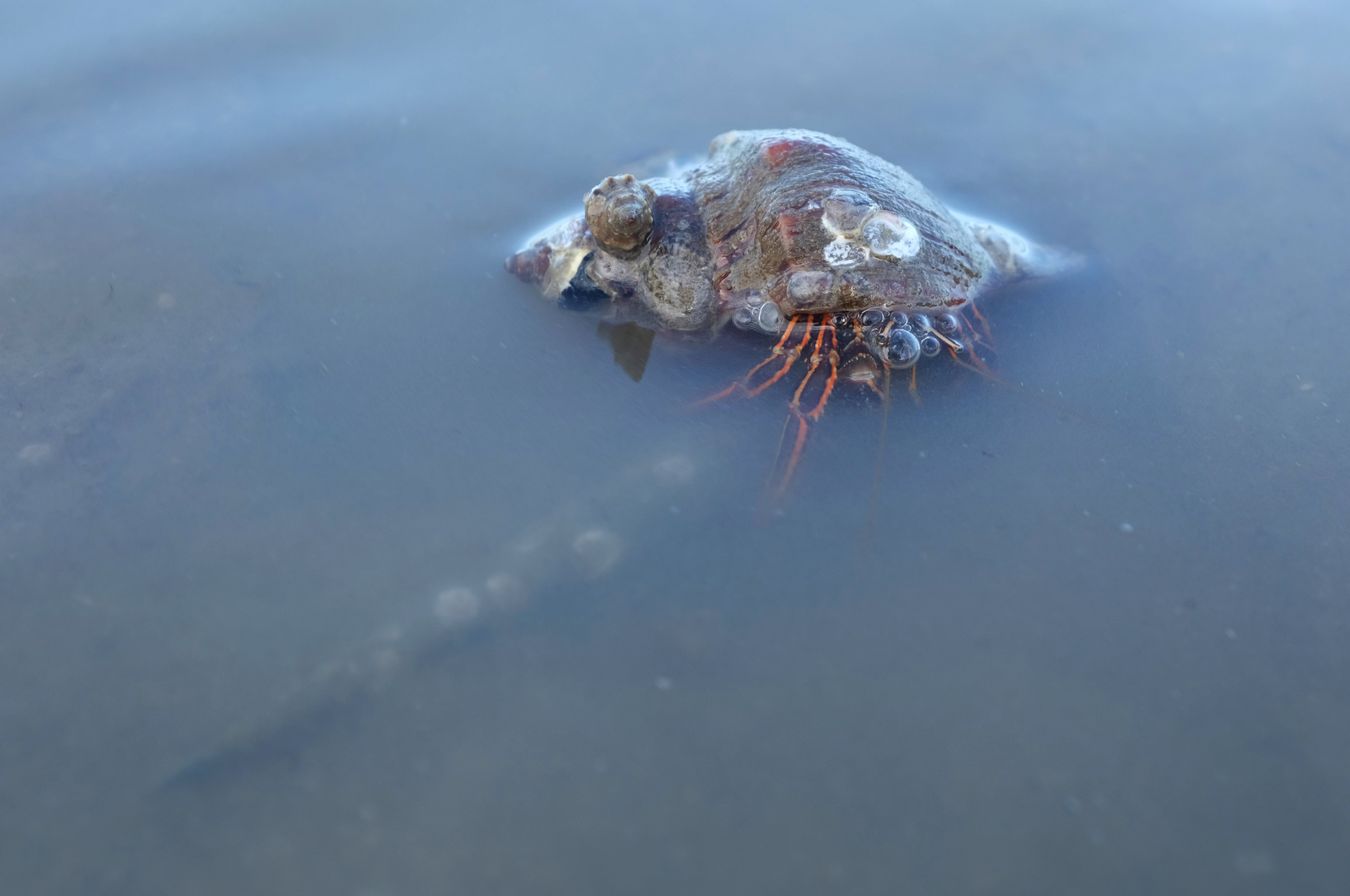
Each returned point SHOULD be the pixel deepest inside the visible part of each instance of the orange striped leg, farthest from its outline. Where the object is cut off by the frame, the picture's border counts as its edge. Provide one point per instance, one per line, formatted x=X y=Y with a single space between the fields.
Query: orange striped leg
x=984 y=324
x=798 y=445
x=830 y=381
x=968 y=326
x=976 y=363
x=743 y=382
x=811 y=365
x=792 y=355
x=804 y=428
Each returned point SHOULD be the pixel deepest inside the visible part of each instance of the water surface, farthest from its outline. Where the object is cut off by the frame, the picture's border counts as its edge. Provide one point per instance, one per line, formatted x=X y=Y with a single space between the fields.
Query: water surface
x=267 y=392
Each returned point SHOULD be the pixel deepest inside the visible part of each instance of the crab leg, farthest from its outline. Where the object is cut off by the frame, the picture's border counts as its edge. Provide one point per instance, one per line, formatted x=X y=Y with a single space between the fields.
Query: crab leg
x=792 y=355
x=777 y=349
x=803 y=427
x=742 y=383
x=945 y=340
x=830 y=381
x=811 y=365
x=976 y=363
x=798 y=445
x=984 y=324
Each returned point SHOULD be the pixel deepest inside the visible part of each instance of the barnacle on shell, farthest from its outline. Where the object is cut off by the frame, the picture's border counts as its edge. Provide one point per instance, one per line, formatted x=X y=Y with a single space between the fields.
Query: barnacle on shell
x=619 y=213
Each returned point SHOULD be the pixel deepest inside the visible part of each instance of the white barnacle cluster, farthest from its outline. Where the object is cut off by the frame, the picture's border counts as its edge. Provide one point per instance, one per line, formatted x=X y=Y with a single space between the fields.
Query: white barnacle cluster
x=842 y=252
x=862 y=230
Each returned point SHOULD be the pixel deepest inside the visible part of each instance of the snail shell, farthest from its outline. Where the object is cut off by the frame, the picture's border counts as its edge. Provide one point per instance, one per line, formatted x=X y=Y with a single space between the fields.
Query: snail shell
x=619 y=213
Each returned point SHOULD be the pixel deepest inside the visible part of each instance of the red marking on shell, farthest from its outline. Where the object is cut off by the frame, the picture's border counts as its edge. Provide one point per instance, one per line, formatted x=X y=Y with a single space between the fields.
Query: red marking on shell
x=789 y=228
x=720 y=283
x=729 y=255
x=777 y=153
x=734 y=231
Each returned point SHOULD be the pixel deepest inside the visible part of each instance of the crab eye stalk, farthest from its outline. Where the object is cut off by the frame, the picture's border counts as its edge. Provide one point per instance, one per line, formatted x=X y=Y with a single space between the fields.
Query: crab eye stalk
x=619 y=213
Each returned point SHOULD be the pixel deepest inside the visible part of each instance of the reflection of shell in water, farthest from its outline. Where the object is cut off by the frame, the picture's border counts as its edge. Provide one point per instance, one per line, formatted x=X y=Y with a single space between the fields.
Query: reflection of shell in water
x=596 y=551
x=677 y=469
x=505 y=592
x=457 y=607
x=36 y=454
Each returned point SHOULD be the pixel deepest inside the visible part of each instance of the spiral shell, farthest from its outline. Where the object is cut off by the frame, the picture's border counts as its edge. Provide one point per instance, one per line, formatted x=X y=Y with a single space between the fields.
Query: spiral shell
x=619 y=213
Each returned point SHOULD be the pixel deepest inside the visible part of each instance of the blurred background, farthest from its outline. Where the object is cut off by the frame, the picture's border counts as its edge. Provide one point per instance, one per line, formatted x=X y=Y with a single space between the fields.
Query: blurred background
x=267 y=396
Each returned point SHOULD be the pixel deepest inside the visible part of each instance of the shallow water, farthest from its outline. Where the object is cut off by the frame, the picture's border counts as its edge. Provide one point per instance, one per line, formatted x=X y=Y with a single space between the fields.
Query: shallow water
x=267 y=392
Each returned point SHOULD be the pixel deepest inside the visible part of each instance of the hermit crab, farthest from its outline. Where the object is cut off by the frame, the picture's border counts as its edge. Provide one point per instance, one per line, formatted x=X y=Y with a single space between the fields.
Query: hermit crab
x=842 y=259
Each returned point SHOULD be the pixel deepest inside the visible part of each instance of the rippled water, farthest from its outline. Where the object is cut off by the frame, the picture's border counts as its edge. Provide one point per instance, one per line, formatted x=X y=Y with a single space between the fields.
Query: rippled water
x=267 y=392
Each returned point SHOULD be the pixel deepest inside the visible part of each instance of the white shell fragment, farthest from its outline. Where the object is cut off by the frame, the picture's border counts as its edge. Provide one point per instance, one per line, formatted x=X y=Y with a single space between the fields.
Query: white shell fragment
x=842 y=253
